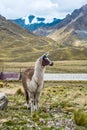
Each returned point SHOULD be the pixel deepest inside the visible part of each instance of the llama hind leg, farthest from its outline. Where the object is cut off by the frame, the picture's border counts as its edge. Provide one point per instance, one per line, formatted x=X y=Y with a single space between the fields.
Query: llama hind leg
x=27 y=100
x=32 y=102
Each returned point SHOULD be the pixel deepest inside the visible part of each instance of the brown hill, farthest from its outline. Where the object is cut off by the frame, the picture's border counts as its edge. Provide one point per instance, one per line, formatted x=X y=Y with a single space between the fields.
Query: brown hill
x=18 y=44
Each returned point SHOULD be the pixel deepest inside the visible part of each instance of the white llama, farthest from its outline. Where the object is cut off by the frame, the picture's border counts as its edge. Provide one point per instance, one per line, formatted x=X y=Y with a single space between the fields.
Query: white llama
x=32 y=80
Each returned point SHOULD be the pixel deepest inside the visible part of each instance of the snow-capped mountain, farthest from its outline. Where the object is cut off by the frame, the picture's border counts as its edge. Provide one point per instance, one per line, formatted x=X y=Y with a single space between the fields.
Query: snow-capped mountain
x=35 y=24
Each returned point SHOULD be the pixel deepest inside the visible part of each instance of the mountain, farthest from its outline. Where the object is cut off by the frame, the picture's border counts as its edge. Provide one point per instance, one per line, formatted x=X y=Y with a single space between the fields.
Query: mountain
x=18 y=44
x=68 y=42
x=72 y=30
x=38 y=25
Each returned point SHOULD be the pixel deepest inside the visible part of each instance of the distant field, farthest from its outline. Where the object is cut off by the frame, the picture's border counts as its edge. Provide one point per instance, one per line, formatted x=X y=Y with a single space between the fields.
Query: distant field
x=79 y=66
x=75 y=66
x=58 y=103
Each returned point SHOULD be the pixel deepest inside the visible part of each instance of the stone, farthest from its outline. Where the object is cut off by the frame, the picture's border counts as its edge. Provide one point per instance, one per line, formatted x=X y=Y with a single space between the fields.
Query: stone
x=3 y=101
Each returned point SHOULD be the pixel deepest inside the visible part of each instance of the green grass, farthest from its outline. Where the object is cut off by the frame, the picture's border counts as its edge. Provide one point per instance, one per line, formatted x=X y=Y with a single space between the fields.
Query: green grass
x=58 y=101
x=30 y=52
x=80 y=128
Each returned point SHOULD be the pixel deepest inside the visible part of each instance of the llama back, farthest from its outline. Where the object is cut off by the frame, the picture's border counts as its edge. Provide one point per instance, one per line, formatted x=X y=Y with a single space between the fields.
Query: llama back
x=28 y=73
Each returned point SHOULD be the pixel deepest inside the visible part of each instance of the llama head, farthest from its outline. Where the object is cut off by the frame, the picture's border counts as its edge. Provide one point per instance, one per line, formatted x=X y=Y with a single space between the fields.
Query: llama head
x=45 y=60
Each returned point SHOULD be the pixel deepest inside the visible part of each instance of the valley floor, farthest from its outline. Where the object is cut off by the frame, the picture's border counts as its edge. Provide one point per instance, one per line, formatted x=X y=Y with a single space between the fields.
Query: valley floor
x=67 y=66
x=58 y=103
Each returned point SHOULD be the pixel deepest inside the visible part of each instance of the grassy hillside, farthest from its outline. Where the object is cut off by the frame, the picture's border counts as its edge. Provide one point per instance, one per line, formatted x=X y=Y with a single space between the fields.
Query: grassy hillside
x=19 y=45
x=25 y=50
x=68 y=37
x=71 y=47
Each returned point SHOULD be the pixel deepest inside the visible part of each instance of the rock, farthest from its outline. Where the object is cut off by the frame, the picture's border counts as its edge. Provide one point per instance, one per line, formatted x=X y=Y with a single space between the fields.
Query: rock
x=3 y=101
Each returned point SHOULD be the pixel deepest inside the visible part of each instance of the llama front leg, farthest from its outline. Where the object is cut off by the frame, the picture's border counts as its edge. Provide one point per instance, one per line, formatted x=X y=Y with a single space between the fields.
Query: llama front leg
x=36 y=98
x=32 y=102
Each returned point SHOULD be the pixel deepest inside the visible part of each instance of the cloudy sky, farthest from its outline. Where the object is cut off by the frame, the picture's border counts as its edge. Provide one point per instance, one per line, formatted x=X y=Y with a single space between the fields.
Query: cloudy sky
x=42 y=8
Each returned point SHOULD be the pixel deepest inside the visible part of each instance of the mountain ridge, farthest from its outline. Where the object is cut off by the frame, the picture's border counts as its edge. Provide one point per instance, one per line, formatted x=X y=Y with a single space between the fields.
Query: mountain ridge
x=73 y=29
x=35 y=24
x=73 y=15
x=68 y=42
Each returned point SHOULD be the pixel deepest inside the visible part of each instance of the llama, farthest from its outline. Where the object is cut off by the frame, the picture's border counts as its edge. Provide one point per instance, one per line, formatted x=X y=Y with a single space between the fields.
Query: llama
x=32 y=81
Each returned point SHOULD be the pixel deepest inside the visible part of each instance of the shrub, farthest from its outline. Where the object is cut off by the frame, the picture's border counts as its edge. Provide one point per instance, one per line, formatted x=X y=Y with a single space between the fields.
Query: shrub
x=19 y=92
x=80 y=118
x=1 y=84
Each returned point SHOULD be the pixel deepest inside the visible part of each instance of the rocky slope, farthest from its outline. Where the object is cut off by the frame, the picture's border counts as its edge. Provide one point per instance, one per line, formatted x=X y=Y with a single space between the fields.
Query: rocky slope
x=72 y=30
x=38 y=25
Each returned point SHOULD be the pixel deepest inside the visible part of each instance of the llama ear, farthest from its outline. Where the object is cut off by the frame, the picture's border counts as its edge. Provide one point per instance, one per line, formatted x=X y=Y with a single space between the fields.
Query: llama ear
x=46 y=54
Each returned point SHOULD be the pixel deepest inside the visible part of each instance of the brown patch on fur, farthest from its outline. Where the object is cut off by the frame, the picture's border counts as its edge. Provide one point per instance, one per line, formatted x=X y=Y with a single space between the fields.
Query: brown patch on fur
x=27 y=75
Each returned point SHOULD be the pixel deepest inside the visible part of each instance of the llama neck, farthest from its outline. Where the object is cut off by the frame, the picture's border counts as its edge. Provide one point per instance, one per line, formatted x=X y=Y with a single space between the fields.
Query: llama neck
x=39 y=72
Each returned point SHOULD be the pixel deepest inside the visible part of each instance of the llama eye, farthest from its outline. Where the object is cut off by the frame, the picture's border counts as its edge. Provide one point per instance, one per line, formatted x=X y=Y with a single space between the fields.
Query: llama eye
x=44 y=57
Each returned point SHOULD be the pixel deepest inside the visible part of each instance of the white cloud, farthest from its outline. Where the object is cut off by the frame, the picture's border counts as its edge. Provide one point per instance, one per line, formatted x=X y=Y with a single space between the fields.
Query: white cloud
x=67 y=5
x=41 y=8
